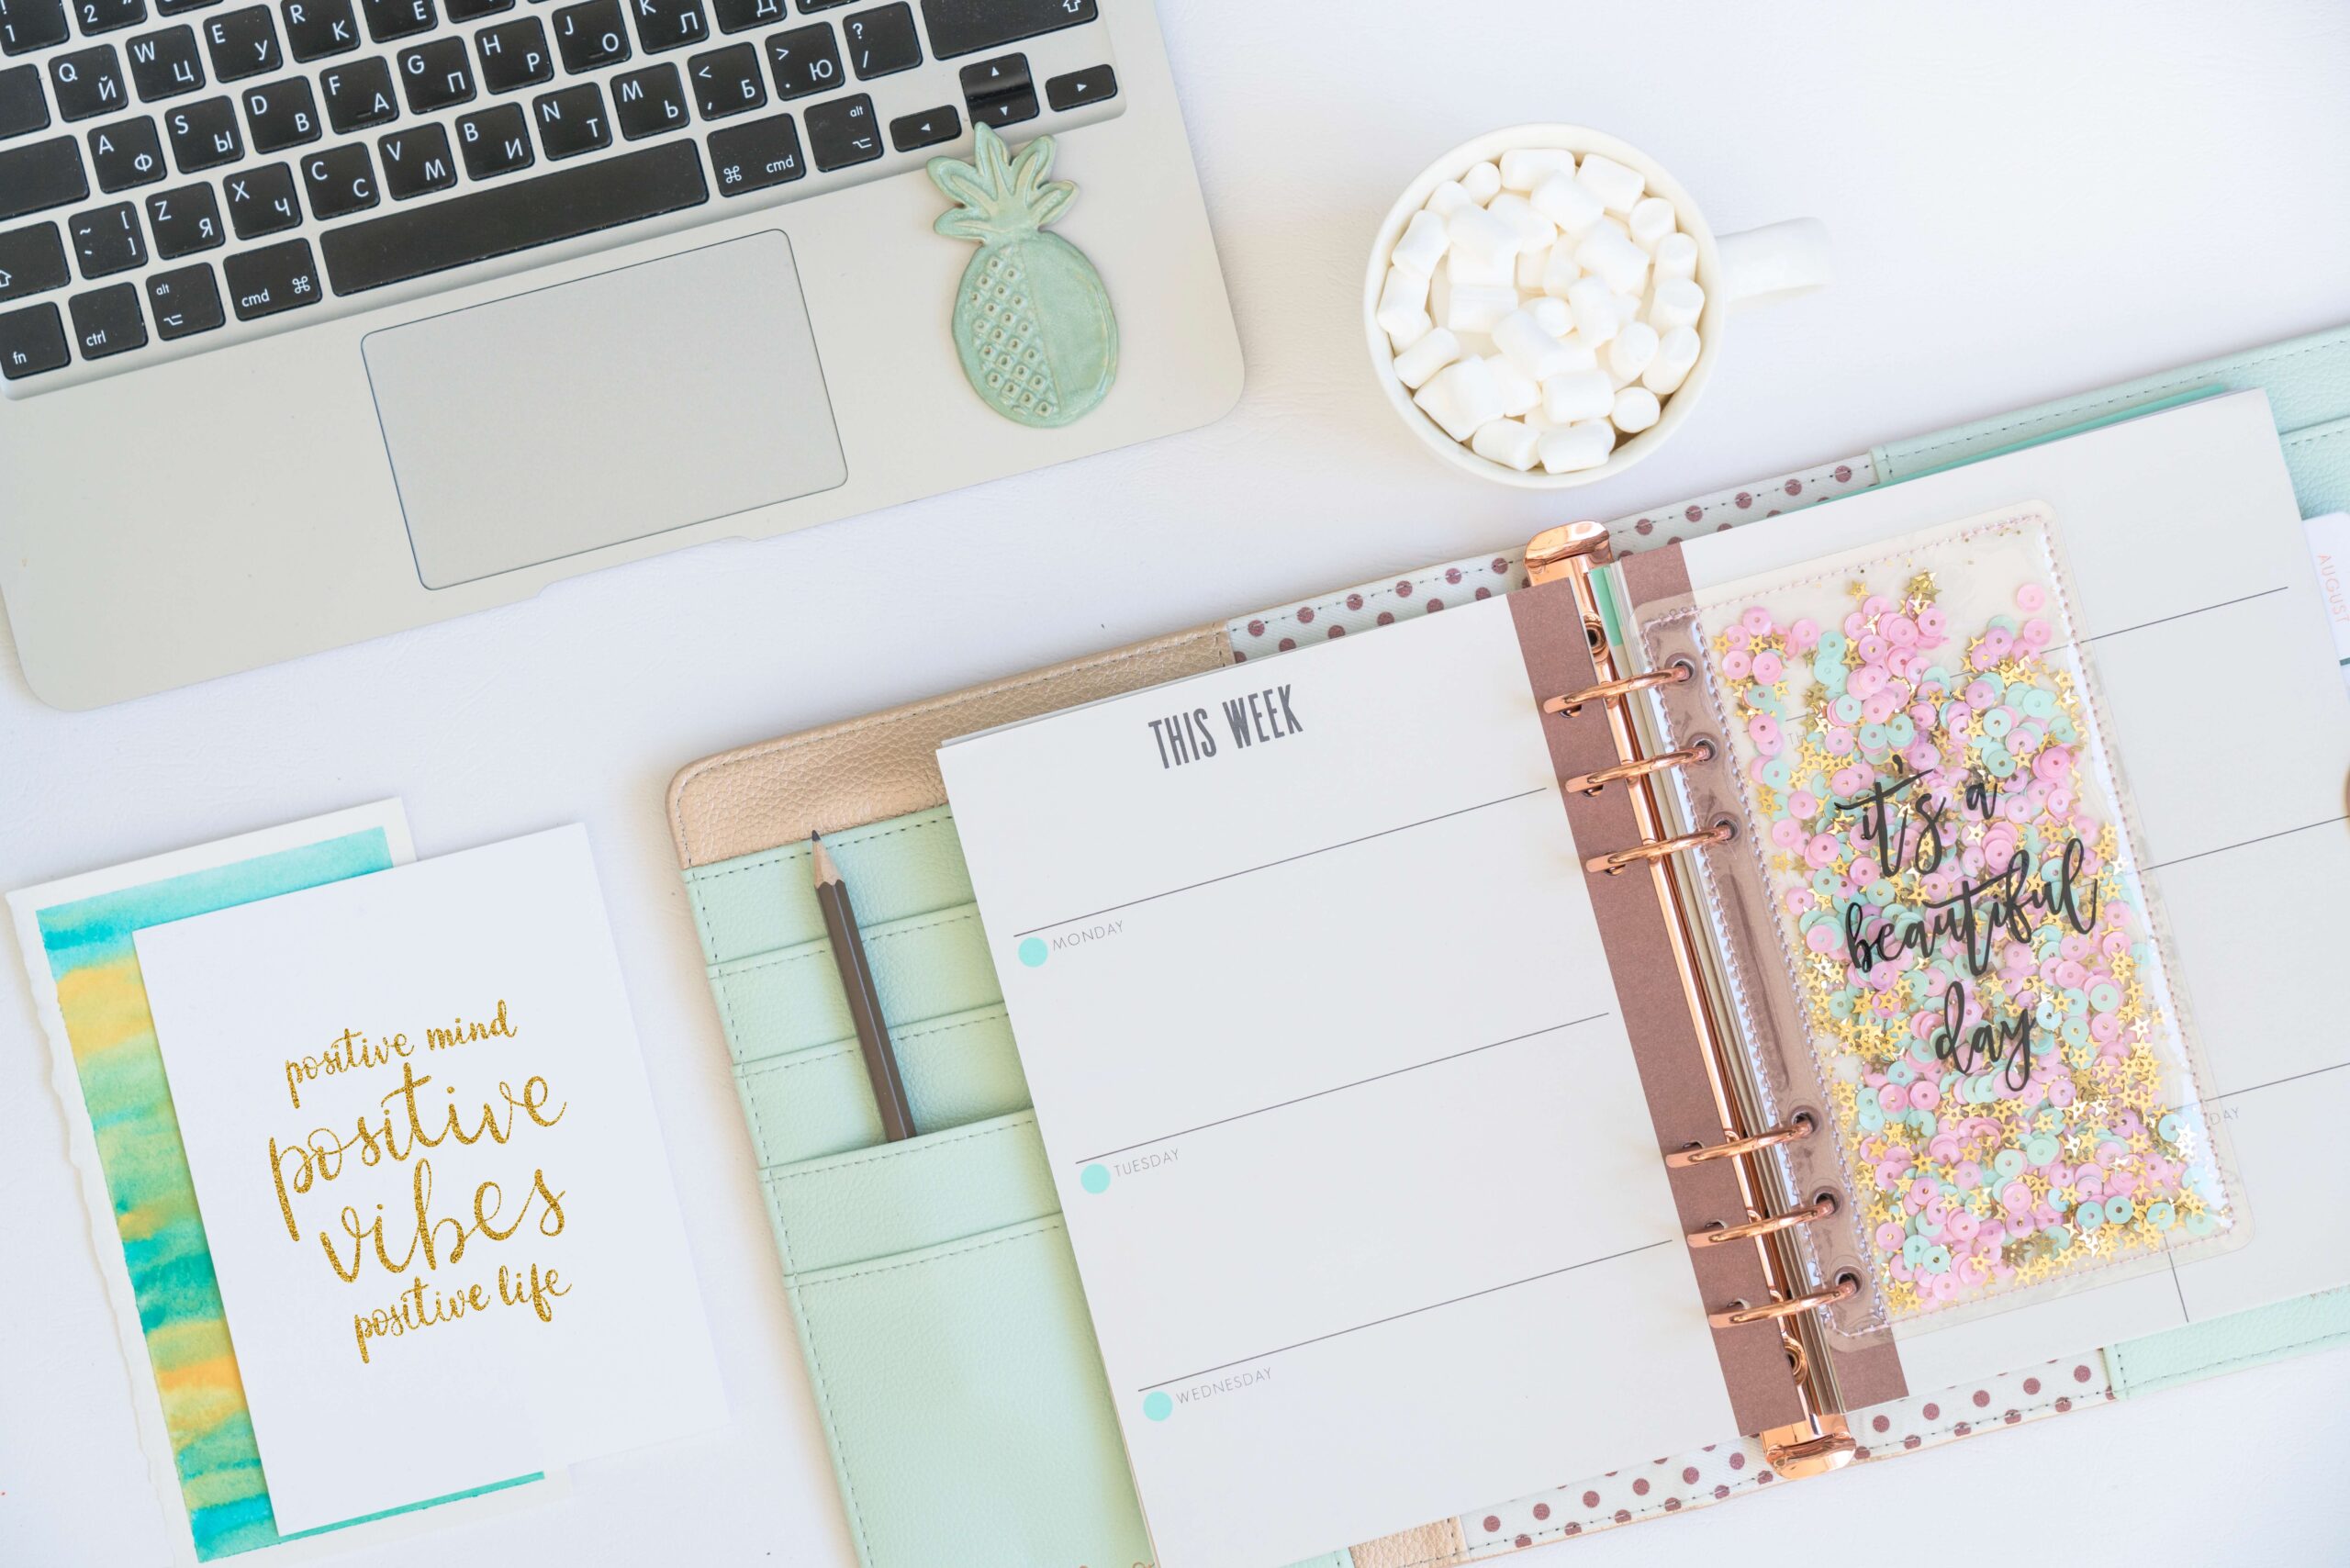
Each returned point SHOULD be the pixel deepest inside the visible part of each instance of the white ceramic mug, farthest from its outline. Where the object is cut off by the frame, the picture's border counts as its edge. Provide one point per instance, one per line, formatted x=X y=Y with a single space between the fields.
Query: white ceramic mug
x=1777 y=258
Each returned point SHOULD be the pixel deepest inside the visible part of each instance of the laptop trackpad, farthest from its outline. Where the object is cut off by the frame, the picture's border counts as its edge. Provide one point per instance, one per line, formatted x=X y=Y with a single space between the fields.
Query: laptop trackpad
x=590 y=413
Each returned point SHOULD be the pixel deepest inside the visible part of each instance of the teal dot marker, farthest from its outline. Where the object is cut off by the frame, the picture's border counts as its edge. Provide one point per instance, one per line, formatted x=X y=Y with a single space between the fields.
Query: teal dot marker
x=1031 y=952
x=1157 y=1407
x=1094 y=1177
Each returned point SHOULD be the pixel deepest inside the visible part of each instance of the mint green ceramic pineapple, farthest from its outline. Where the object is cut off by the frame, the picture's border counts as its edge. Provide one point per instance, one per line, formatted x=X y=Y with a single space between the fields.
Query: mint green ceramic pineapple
x=1033 y=323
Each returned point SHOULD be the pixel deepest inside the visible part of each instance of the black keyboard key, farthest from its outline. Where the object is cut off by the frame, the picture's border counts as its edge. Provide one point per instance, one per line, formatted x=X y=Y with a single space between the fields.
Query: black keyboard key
x=317 y=29
x=204 y=135
x=165 y=64
x=282 y=114
x=1093 y=86
x=359 y=94
x=184 y=221
x=107 y=322
x=474 y=10
x=590 y=35
x=804 y=60
x=173 y=7
x=882 y=41
x=823 y=4
x=390 y=19
x=563 y=205
x=126 y=154
x=88 y=82
x=41 y=175
x=928 y=129
x=742 y=15
x=340 y=181
x=31 y=24
x=31 y=340
x=649 y=101
x=1004 y=108
x=242 y=43
x=185 y=302
x=514 y=55
x=966 y=26
x=495 y=140
x=108 y=15
x=32 y=261
x=108 y=239
x=260 y=201
x=572 y=121
x=417 y=160
x=727 y=81
x=755 y=156
x=23 y=107
x=273 y=279
x=669 y=24
x=439 y=76
x=999 y=92
x=842 y=132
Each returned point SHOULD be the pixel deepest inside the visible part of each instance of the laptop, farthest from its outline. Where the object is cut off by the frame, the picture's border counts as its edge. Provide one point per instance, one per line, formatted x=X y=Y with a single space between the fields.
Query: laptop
x=324 y=319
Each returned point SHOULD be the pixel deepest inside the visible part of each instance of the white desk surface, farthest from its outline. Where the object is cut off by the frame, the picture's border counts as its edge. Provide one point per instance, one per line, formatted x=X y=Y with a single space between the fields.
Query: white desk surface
x=2027 y=200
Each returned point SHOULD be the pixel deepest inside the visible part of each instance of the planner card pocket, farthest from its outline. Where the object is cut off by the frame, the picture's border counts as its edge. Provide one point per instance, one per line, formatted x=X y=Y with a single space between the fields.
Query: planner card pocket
x=952 y=1358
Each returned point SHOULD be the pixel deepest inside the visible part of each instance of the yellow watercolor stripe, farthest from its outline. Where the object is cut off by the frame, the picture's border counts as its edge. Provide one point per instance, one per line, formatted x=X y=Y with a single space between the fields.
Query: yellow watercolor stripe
x=104 y=1005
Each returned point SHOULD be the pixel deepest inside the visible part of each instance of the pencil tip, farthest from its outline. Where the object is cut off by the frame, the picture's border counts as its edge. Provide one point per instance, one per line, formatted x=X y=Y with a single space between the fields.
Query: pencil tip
x=823 y=861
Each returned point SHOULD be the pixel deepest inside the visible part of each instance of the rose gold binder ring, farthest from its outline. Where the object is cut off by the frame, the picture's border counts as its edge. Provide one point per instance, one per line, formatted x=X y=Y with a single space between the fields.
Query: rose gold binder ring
x=1740 y=1316
x=1800 y=1126
x=1765 y=1225
x=1672 y=674
x=1593 y=783
x=1658 y=848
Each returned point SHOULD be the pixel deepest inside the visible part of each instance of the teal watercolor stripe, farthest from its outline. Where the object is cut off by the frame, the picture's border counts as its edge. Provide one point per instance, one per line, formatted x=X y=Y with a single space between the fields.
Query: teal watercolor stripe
x=145 y=1166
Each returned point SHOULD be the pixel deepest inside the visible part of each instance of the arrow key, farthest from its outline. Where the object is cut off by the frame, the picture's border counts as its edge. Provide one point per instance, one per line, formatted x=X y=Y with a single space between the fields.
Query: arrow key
x=1080 y=88
x=185 y=302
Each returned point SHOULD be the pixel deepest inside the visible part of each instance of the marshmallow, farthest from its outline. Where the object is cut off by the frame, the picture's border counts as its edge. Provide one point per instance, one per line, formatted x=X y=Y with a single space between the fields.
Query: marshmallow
x=1538 y=352
x=1678 y=303
x=1628 y=308
x=1618 y=186
x=1448 y=198
x=1409 y=330
x=1482 y=183
x=1476 y=345
x=1533 y=229
x=1568 y=203
x=1520 y=392
x=1440 y=290
x=1475 y=307
x=1524 y=168
x=1577 y=395
x=1676 y=256
x=1676 y=350
x=1582 y=445
x=1595 y=311
x=1560 y=271
x=1580 y=354
x=1423 y=244
x=1415 y=365
x=1651 y=221
x=1609 y=252
x=1507 y=442
x=1462 y=396
x=1478 y=232
x=1631 y=352
x=1635 y=409
x=1529 y=270
x=1404 y=297
x=1556 y=319
x=1489 y=269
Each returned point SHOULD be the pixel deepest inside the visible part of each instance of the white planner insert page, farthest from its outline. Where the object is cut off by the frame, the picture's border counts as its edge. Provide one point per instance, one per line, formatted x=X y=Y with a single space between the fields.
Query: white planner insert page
x=1328 y=1061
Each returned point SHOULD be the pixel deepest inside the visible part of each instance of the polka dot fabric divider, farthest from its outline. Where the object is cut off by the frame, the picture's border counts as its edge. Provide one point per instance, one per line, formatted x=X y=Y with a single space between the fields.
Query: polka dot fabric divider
x=1721 y=1470
x=1383 y=603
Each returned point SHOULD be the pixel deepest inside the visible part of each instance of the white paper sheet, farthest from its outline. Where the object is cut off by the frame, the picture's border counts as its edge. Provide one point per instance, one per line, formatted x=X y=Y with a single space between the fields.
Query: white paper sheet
x=2207 y=625
x=1326 y=1055
x=491 y=1282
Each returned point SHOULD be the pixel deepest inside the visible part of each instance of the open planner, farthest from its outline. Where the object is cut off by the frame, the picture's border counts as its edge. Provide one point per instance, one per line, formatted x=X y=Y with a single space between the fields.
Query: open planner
x=1740 y=987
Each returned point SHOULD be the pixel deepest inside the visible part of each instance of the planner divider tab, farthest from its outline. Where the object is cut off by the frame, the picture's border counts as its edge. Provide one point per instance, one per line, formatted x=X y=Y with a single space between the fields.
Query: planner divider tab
x=1788 y=1380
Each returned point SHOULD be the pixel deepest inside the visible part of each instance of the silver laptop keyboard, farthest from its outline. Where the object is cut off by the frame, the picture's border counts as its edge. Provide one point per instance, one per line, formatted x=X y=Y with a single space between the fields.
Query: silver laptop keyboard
x=179 y=174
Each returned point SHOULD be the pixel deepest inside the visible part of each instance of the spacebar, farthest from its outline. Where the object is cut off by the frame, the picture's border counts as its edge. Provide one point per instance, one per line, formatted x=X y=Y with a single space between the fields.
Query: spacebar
x=503 y=220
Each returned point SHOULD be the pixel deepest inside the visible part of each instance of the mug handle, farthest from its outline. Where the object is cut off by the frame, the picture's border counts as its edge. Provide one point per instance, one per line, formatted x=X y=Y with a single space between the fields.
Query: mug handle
x=1777 y=258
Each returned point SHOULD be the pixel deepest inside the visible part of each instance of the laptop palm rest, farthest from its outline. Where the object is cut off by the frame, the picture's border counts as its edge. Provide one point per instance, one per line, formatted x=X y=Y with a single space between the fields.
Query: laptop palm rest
x=593 y=412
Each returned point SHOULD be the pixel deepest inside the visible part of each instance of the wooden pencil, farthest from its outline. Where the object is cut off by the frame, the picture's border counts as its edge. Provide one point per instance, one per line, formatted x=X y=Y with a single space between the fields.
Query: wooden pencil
x=864 y=1000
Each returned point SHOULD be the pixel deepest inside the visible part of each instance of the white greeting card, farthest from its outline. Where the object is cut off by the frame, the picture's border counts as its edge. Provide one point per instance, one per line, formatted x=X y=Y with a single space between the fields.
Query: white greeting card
x=432 y=1183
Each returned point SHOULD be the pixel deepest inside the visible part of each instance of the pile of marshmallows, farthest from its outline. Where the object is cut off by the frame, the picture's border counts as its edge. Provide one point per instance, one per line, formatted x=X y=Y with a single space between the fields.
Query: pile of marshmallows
x=1537 y=309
